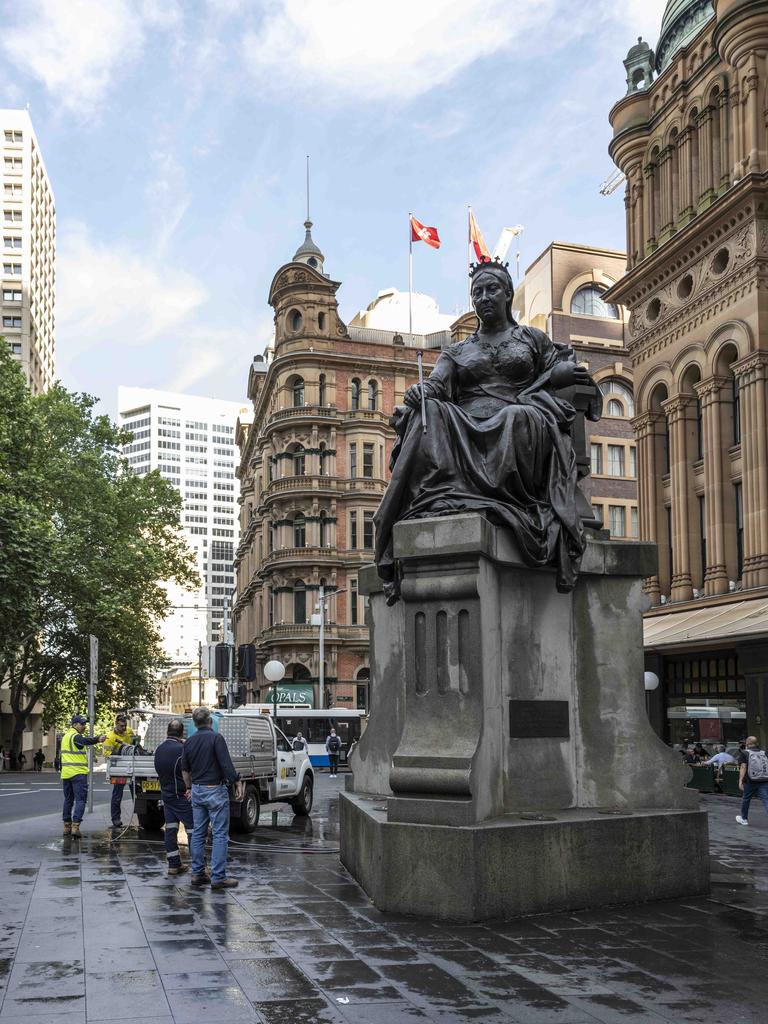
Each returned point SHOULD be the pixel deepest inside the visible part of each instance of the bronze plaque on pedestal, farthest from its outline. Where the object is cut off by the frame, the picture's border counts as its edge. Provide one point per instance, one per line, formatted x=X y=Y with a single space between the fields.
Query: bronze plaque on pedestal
x=539 y=719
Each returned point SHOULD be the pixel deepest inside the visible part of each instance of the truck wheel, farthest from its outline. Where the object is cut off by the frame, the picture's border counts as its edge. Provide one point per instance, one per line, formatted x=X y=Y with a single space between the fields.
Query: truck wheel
x=152 y=819
x=249 y=811
x=302 y=805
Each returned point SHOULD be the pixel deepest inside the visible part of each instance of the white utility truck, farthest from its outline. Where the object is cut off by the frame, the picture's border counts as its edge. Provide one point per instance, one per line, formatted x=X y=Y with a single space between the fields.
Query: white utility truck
x=271 y=770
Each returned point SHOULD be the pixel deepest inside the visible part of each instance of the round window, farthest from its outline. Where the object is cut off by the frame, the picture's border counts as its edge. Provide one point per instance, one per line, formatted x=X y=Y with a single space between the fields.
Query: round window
x=685 y=287
x=720 y=261
x=654 y=308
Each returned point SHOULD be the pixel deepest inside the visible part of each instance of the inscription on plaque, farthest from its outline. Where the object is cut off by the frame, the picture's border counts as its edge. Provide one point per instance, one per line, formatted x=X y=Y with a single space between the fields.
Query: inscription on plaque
x=539 y=719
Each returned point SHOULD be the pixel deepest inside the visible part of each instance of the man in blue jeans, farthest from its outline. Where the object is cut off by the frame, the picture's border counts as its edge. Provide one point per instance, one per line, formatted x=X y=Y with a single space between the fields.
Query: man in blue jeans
x=207 y=770
x=753 y=777
x=177 y=805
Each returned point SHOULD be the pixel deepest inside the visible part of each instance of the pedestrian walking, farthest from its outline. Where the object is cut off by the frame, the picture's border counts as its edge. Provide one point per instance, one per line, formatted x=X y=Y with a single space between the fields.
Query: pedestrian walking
x=333 y=748
x=177 y=798
x=39 y=760
x=120 y=735
x=299 y=743
x=753 y=777
x=74 y=773
x=22 y=761
x=207 y=769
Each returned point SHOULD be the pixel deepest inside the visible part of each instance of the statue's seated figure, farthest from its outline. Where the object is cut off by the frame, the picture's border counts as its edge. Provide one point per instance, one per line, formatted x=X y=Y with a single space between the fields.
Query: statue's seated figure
x=498 y=439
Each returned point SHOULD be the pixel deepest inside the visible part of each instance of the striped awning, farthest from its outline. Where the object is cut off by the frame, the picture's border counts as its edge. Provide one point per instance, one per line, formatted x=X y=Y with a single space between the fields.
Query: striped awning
x=711 y=625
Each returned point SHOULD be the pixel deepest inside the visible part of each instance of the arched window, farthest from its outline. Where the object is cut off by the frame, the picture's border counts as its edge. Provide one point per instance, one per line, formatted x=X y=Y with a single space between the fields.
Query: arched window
x=299 y=603
x=321 y=321
x=619 y=398
x=588 y=301
x=295 y=320
x=373 y=395
x=299 y=461
x=299 y=531
x=321 y=388
x=323 y=529
x=297 y=389
x=355 y=403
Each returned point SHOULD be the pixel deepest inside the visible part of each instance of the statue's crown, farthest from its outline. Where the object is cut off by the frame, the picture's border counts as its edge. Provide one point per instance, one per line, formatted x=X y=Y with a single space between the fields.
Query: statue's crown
x=488 y=264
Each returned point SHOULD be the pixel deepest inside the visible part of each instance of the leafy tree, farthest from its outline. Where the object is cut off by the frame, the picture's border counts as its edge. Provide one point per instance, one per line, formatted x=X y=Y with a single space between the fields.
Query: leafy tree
x=85 y=547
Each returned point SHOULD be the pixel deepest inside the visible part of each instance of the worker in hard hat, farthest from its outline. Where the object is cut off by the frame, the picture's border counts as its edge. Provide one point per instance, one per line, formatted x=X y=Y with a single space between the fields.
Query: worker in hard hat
x=121 y=734
x=74 y=772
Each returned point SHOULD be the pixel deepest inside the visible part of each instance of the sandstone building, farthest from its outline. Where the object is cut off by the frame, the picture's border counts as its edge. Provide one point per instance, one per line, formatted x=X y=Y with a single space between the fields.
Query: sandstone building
x=313 y=467
x=690 y=136
x=562 y=293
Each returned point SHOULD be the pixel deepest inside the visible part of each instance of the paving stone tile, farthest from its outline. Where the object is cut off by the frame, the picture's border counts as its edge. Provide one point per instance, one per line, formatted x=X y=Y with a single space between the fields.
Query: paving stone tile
x=301 y=1011
x=384 y=1013
x=172 y=955
x=217 y=1002
x=268 y=979
x=117 y=995
x=429 y=983
x=344 y=974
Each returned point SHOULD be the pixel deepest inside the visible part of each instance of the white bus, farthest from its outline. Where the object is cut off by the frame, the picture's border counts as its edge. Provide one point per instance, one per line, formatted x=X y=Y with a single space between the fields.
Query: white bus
x=315 y=725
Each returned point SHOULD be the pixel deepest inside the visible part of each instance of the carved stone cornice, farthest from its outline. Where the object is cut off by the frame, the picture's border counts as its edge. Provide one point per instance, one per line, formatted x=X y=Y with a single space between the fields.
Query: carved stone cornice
x=645 y=424
x=752 y=367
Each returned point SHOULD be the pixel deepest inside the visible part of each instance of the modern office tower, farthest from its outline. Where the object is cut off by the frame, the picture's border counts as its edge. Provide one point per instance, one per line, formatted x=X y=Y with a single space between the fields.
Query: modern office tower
x=690 y=138
x=29 y=251
x=191 y=441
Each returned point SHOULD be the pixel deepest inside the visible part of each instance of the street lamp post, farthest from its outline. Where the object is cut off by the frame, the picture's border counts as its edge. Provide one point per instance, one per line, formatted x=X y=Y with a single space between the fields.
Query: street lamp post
x=274 y=672
x=319 y=620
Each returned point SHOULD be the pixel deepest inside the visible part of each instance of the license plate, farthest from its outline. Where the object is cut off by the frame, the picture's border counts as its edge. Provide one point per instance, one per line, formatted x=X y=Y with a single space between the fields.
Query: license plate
x=150 y=784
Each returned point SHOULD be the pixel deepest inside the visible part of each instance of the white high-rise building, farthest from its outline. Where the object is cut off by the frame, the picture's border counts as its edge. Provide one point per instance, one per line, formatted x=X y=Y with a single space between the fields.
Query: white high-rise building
x=29 y=251
x=191 y=441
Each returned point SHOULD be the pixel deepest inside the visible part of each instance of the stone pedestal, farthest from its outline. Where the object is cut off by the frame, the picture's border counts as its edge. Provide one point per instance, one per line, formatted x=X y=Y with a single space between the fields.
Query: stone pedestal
x=509 y=766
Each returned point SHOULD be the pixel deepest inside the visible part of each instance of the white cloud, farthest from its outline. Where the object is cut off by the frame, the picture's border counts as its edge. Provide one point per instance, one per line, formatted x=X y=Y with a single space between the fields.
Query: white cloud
x=395 y=51
x=111 y=295
x=75 y=47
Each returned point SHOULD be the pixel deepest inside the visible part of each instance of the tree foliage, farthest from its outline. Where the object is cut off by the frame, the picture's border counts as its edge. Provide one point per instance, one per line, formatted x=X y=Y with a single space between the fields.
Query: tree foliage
x=85 y=547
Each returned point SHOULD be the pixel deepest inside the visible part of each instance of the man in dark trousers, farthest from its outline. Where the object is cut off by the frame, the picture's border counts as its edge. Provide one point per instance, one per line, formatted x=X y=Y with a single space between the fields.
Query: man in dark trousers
x=74 y=773
x=177 y=799
x=207 y=769
x=753 y=777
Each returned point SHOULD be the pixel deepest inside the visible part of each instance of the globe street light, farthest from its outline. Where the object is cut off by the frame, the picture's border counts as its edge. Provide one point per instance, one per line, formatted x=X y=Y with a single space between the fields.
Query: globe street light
x=274 y=672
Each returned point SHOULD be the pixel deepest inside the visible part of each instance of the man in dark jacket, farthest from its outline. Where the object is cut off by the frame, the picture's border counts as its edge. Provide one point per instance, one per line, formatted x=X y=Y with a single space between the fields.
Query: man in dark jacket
x=207 y=769
x=177 y=805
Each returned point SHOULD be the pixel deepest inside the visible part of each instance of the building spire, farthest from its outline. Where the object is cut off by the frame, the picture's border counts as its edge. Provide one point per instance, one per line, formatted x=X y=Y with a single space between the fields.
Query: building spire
x=308 y=188
x=308 y=252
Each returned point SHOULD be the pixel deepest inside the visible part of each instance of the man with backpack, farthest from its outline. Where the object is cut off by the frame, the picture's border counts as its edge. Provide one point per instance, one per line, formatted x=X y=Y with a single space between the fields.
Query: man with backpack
x=753 y=777
x=333 y=747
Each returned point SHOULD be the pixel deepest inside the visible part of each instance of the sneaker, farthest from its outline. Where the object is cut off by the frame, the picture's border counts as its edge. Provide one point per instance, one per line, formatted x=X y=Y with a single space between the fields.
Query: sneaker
x=225 y=883
x=203 y=879
x=180 y=870
x=741 y=821
x=117 y=824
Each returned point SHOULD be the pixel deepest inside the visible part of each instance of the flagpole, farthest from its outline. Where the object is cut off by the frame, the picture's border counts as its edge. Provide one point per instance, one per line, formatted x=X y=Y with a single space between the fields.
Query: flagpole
x=419 y=355
x=469 y=256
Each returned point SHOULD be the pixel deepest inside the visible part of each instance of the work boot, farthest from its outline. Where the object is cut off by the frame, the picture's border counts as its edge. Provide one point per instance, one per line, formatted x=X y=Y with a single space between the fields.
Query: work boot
x=180 y=870
x=225 y=883
x=75 y=829
x=203 y=879
x=67 y=828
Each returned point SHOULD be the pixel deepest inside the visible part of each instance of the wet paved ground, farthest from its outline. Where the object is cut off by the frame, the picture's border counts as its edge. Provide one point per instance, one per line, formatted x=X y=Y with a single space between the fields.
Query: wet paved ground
x=98 y=933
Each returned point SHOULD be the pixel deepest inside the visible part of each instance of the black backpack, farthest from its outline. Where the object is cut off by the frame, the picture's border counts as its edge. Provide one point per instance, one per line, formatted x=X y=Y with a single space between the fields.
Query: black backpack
x=334 y=744
x=298 y=744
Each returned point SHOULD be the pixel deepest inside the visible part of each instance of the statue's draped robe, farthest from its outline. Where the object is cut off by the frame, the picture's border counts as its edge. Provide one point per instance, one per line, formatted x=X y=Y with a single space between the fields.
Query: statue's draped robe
x=498 y=441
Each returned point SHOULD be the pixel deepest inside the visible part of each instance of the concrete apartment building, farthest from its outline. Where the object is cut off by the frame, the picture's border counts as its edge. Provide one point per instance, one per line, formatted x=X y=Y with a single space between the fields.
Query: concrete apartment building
x=29 y=251
x=314 y=463
x=690 y=136
x=562 y=293
x=191 y=441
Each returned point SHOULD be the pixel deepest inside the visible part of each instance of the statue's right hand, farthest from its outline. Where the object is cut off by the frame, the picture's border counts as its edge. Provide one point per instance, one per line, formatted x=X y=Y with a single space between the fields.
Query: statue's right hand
x=412 y=396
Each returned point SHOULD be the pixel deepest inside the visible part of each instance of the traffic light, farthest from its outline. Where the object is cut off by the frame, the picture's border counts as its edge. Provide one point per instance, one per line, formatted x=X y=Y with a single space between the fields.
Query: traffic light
x=222 y=699
x=222 y=661
x=246 y=662
x=242 y=694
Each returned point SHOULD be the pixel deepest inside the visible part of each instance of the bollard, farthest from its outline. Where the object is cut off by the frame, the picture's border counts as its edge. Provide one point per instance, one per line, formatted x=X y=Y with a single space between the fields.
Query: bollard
x=274 y=819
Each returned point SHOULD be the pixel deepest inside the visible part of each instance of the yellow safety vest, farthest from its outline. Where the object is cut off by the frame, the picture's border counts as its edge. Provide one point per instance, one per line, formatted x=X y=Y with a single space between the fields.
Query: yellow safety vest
x=73 y=761
x=116 y=739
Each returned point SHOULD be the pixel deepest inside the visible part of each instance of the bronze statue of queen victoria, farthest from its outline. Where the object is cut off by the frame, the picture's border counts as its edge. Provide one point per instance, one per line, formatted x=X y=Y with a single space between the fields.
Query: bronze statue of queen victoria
x=498 y=438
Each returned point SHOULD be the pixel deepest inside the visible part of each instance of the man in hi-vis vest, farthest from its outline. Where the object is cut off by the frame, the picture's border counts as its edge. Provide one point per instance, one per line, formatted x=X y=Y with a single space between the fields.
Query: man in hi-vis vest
x=74 y=772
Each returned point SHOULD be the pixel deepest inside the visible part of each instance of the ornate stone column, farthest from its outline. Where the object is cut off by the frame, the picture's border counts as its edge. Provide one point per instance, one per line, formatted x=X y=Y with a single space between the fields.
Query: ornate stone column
x=710 y=392
x=685 y=157
x=704 y=125
x=646 y=428
x=650 y=171
x=752 y=373
x=676 y=409
x=640 y=232
x=725 y=151
x=666 y=213
x=753 y=114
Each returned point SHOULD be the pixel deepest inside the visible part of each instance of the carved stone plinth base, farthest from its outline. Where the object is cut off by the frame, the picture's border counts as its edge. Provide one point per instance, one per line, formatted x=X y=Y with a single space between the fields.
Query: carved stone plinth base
x=512 y=866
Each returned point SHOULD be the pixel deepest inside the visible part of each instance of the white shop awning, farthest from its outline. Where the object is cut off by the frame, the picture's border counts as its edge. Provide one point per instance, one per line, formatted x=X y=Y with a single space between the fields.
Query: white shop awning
x=713 y=625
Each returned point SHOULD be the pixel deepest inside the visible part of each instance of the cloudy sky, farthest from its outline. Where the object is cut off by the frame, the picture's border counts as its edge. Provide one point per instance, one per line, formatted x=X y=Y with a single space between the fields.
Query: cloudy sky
x=175 y=133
